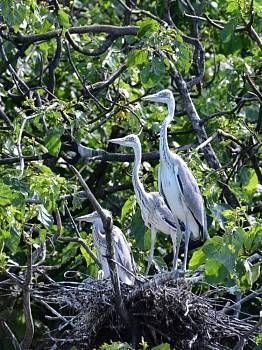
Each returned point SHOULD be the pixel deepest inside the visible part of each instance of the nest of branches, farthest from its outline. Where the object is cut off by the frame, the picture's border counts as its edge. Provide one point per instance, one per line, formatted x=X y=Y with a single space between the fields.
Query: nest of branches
x=172 y=311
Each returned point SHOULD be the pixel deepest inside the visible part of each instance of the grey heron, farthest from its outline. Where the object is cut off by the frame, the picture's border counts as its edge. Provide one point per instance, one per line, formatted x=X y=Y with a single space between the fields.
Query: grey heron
x=155 y=213
x=176 y=182
x=123 y=255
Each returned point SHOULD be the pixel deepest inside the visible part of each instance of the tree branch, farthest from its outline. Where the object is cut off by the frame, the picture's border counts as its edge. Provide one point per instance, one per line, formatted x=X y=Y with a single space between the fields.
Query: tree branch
x=29 y=332
x=94 y=28
x=10 y=334
x=202 y=135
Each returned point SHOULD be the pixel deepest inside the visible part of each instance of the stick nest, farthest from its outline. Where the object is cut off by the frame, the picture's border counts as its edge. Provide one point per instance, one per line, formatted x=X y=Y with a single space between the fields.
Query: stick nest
x=169 y=312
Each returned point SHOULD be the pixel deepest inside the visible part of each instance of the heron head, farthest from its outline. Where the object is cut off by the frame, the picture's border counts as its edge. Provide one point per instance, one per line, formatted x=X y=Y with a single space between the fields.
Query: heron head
x=163 y=96
x=93 y=217
x=129 y=140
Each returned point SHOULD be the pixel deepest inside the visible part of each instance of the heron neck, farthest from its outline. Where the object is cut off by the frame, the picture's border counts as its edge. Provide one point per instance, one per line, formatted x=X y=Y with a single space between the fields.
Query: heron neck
x=98 y=230
x=137 y=184
x=163 y=147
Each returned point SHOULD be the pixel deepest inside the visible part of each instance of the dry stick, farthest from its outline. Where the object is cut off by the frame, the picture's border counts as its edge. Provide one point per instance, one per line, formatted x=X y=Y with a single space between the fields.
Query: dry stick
x=29 y=331
x=255 y=294
x=10 y=334
x=88 y=93
x=107 y=224
x=255 y=89
x=95 y=28
x=89 y=52
x=243 y=339
x=61 y=317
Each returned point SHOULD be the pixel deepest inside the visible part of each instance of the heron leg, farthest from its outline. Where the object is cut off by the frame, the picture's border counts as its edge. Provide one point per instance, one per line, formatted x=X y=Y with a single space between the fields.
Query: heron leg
x=187 y=236
x=151 y=253
x=176 y=240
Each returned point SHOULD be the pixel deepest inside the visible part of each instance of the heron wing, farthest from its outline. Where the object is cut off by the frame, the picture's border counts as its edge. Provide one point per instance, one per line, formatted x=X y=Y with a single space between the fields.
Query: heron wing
x=162 y=211
x=190 y=193
x=123 y=254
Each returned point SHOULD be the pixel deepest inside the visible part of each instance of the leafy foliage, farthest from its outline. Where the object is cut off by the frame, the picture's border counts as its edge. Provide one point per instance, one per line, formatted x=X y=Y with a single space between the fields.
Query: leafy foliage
x=61 y=85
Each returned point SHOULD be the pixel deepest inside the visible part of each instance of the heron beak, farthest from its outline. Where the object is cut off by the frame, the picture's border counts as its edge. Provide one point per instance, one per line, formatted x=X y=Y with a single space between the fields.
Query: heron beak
x=118 y=141
x=88 y=217
x=153 y=98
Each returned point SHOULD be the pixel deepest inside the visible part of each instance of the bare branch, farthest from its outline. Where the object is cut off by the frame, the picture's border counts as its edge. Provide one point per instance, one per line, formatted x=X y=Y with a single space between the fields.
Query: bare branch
x=10 y=334
x=95 y=28
x=95 y=52
x=4 y=116
x=29 y=331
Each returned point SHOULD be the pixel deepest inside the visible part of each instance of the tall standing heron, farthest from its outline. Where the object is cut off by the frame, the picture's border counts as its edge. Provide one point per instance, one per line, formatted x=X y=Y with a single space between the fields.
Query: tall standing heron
x=123 y=256
x=176 y=182
x=154 y=211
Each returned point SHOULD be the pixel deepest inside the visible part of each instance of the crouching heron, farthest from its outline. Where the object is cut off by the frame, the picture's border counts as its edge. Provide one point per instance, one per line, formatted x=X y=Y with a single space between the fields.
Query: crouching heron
x=176 y=183
x=154 y=211
x=123 y=255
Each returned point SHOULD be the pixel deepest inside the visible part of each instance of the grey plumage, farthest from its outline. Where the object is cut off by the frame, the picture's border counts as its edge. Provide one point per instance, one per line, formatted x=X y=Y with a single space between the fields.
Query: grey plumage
x=176 y=182
x=155 y=213
x=123 y=256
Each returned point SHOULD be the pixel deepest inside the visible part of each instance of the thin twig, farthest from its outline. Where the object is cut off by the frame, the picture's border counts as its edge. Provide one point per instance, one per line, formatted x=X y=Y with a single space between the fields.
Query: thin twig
x=10 y=334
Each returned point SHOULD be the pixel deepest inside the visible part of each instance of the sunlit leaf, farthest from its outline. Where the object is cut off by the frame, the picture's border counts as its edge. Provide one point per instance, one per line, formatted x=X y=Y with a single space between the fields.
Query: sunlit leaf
x=137 y=57
x=197 y=259
x=147 y=27
x=128 y=207
x=227 y=32
x=253 y=182
x=163 y=346
x=53 y=142
x=63 y=18
x=153 y=72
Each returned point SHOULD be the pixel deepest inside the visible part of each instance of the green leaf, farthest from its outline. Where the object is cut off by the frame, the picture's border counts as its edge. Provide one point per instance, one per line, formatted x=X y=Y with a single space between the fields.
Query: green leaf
x=253 y=182
x=138 y=229
x=215 y=248
x=44 y=46
x=87 y=257
x=6 y=194
x=147 y=26
x=52 y=141
x=218 y=210
x=128 y=208
x=198 y=258
x=137 y=57
x=115 y=346
x=232 y=6
x=3 y=258
x=160 y=264
x=153 y=72
x=227 y=32
x=216 y=272
x=253 y=238
x=13 y=240
x=63 y=18
x=44 y=217
x=164 y=346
